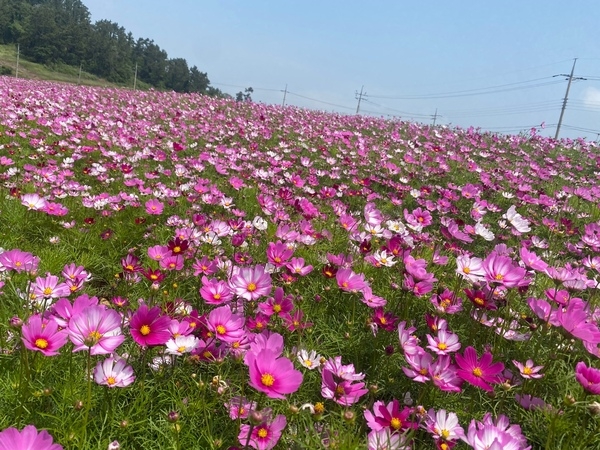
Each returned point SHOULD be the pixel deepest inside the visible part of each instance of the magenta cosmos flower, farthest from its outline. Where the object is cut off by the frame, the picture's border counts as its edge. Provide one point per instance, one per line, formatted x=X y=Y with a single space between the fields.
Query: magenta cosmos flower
x=148 y=327
x=96 y=328
x=43 y=336
x=588 y=377
x=27 y=439
x=250 y=283
x=263 y=436
x=478 y=372
x=19 y=261
x=390 y=416
x=273 y=375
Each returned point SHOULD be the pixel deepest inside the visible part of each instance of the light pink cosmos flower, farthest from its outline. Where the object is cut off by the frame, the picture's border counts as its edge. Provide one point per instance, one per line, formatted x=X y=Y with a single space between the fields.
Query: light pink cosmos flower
x=341 y=391
x=470 y=268
x=113 y=372
x=444 y=343
x=384 y=439
x=33 y=201
x=250 y=283
x=273 y=375
x=27 y=439
x=443 y=426
x=297 y=266
x=500 y=435
x=49 y=287
x=43 y=336
x=240 y=407
x=97 y=329
x=419 y=366
x=263 y=436
x=528 y=370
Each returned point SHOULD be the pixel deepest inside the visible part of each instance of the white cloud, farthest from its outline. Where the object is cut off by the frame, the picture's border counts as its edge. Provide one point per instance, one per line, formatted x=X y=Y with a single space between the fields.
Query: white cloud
x=591 y=97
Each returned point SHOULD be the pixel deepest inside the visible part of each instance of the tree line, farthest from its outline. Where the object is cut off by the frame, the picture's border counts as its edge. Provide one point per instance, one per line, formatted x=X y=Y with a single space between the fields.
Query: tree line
x=61 y=31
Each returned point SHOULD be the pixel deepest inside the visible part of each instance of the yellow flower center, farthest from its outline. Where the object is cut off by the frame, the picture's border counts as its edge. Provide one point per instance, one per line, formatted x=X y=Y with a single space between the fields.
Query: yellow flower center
x=177 y=249
x=319 y=408
x=479 y=301
x=181 y=349
x=527 y=370
x=262 y=433
x=277 y=259
x=41 y=343
x=48 y=291
x=466 y=270
x=445 y=434
x=477 y=372
x=395 y=423
x=110 y=381
x=221 y=329
x=267 y=379
x=18 y=264
x=499 y=277
x=442 y=346
x=145 y=330
x=339 y=390
x=129 y=267
x=94 y=336
x=251 y=287
x=217 y=296
x=277 y=308
x=308 y=362
x=383 y=320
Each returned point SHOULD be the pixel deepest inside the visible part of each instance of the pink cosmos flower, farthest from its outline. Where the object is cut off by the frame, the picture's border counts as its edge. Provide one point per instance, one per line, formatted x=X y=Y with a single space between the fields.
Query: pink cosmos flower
x=278 y=304
x=478 y=372
x=343 y=392
x=225 y=325
x=240 y=407
x=419 y=363
x=49 y=287
x=500 y=269
x=250 y=283
x=159 y=252
x=528 y=370
x=384 y=439
x=390 y=416
x=204 y=266
x=500 y=435
x=588 y=377
x=575 y=321
x=97 y=329
x=43 y=336
x=215 y=292
x=27 y=439
x=113 y=372
x=148 y=327
x=278 y=253
x=297 y=266
x=263 y=436
x=275 y=376
x=154 y=207
x=349 y=281
x=444 y=375
x=63 y=310
x=446 y=302
x=19 y=261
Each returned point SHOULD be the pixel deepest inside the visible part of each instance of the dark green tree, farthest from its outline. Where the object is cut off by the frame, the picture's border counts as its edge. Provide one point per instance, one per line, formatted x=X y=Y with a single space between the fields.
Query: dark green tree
x=178 y=75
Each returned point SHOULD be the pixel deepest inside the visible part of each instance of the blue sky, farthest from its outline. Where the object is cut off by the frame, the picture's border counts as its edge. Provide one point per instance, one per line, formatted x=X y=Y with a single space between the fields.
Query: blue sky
x=484 y=64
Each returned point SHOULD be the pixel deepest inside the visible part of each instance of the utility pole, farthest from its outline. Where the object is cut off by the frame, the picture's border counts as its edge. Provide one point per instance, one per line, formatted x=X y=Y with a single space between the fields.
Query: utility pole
x=564 y=105
x=135 y=77
x=17 y=69
x=359 y=97
x=435 y=117
x=284 y=94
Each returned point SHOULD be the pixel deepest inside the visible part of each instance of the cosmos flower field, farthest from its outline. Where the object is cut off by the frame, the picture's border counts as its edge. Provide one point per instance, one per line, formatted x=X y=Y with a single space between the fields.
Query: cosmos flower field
x=183 y=272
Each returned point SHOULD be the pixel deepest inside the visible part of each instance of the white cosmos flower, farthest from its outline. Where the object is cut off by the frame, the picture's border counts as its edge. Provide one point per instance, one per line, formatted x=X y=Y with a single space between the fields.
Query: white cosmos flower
x=516 y=220
x=482 y=231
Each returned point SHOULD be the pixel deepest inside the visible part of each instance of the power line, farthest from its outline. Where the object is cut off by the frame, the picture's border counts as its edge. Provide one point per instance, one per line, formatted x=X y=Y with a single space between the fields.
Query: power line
x=471 y=92
x=319 y=101
x=359 y=97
